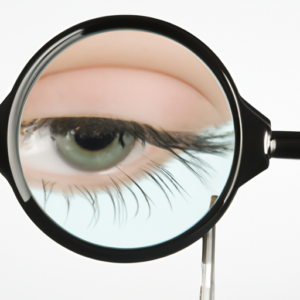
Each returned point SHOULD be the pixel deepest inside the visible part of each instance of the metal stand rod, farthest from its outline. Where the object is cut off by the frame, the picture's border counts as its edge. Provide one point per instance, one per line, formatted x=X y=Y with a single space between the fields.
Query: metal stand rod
x=207 y=291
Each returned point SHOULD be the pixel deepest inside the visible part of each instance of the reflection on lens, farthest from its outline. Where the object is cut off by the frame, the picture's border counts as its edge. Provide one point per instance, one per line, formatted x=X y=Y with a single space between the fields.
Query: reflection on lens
x=125 y=137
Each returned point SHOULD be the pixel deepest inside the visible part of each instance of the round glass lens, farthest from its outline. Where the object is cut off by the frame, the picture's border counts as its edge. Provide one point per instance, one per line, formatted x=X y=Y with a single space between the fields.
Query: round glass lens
x=125 y=137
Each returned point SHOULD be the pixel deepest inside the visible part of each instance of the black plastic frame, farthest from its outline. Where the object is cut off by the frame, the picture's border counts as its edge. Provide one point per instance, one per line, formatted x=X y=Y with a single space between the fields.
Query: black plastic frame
x=252 y=131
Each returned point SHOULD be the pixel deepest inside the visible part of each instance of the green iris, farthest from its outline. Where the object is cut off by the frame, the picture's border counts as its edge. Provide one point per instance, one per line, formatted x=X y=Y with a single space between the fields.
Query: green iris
x=94 y=153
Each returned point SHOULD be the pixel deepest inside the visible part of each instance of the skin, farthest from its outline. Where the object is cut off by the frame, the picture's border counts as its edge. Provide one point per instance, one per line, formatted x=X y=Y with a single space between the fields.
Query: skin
x=129 y=94
x=129 y=75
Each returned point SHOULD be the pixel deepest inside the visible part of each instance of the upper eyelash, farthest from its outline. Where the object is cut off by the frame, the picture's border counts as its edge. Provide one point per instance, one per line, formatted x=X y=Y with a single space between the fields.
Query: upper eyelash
x=206 y=142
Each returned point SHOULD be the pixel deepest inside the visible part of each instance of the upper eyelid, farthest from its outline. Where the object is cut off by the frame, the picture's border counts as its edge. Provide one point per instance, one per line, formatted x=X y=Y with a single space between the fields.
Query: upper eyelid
x=107 y=92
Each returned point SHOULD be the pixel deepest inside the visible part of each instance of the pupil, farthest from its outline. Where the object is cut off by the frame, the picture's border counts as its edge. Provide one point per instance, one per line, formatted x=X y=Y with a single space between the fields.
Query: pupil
x=94 y=143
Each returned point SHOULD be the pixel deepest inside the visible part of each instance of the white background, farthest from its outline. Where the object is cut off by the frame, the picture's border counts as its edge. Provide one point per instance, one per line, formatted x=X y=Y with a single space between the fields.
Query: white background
x=257 y=255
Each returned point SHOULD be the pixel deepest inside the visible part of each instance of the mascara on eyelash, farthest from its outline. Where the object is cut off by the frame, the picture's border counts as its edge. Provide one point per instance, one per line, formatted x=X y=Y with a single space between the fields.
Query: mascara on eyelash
x=208 y=141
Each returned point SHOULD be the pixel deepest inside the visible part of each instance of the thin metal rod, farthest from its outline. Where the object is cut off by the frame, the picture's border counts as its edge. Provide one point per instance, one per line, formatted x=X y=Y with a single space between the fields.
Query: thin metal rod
x=207 y=291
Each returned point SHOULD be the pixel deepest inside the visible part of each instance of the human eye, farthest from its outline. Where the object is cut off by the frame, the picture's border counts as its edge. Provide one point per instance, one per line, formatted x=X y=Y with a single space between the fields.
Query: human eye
x=116 y=151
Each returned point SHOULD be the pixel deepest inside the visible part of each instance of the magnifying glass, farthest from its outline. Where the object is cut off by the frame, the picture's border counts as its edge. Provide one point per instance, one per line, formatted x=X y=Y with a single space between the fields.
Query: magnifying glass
x=125 y=140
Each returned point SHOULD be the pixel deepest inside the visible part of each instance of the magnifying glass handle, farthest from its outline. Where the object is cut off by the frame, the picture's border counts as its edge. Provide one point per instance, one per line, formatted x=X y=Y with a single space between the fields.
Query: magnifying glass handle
x=285 y=144
x=207 y=291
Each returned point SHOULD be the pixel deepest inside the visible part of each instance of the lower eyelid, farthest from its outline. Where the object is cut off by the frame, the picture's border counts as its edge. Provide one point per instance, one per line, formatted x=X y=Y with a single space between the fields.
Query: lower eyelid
x=133 y=167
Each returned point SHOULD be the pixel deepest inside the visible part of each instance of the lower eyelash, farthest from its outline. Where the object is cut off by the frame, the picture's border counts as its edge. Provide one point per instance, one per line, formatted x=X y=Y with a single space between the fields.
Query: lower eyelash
x=208 y=142
x=47 y=193
x=159 y=176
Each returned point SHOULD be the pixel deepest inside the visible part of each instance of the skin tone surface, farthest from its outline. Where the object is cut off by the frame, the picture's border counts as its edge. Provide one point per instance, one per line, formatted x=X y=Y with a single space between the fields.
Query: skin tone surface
x=127 y=75
x=129 y=94
x=142 y=50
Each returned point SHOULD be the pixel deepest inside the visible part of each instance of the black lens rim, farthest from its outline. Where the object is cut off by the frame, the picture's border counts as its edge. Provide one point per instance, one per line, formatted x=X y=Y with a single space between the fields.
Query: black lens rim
x=210 y=219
